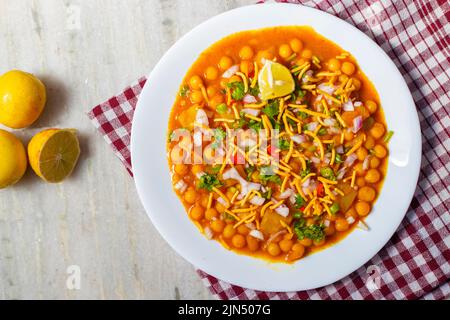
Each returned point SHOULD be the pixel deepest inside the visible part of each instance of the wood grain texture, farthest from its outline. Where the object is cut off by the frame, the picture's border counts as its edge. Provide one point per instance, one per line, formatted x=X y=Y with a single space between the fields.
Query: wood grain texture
x=85 y=51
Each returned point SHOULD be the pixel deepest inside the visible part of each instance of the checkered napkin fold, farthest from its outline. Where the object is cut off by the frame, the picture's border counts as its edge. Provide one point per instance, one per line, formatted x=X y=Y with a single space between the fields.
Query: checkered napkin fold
x=414 y=264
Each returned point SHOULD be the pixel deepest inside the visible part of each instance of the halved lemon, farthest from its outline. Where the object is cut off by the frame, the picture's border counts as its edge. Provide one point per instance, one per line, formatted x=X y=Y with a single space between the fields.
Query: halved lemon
x=53 y=154
x=275 y=80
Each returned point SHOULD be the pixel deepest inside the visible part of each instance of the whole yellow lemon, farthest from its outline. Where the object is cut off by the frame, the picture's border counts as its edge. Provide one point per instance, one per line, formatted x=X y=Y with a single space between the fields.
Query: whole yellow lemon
x=13 y=159
x=22 y=99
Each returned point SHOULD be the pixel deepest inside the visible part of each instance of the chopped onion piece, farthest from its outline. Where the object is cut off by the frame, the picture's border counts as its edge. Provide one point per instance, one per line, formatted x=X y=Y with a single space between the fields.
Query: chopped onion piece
x=366 y=163
x=230 y=72
x=326 y=88
x=282 y=210
x=341 y=173
x=330 y=122
x=326 y=223
x=180 y=186
x=348 y=106
x=257 y=234
x=275 y=235
x=363 y=225
x=350 y=160
x=357 y=124
x=257 y=201
x=223 y=202
x=312 y=126
x=208 y=233
x=248 y=98
x=350 y=220
x=200 y=174
x=286 y=194
x=250 y=225
x=315 y=160
x=340 y=149
x=292 y=199
x=358 y=104
x=298 y=138
x=253 y=112
x=306 y=183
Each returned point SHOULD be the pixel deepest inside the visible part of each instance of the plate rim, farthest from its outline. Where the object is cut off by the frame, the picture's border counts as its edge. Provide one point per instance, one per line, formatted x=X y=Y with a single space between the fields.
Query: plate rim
x=393 y=227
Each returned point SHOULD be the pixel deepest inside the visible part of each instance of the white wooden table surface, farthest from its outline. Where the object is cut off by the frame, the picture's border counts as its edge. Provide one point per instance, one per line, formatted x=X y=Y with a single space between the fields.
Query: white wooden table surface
x=92 y=225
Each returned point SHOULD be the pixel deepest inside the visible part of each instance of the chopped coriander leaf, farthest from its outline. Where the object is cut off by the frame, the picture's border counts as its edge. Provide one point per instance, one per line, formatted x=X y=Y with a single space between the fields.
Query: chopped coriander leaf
x=299 y=201
x=255 y=125
x=338 y=158
x=307 y=171
x=267 y=171
x=268 y=194
x=227 y=216
x=219 y=135
x=209 y=181
x=237 y=90
x=327 y=173
x=267 y=174
x=388 y=136
x=313 y=232
x=184 y=91
x=292 y=122
x=249 y=171
x=222 y=108
x=215 y=169
x=297 y=215
x=303 y=115
x=238 y=124
x=254 y=91
x=284 y=144
x=272 y=109
x=322 y=132
x=334 y=208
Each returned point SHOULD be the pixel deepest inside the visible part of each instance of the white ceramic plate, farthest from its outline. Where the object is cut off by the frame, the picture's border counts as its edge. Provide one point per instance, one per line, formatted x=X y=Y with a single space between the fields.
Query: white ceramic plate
x=148 y=146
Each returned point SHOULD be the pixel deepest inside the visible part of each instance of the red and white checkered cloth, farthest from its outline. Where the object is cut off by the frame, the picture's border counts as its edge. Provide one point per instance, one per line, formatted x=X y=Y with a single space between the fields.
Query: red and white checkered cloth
x=415 y=263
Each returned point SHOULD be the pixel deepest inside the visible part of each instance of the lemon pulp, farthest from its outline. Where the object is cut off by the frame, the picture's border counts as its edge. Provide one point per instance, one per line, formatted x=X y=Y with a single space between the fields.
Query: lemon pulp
x=275 y=80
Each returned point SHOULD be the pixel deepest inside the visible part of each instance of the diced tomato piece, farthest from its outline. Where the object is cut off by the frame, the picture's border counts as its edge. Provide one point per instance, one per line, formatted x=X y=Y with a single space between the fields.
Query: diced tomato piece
x=320 y=190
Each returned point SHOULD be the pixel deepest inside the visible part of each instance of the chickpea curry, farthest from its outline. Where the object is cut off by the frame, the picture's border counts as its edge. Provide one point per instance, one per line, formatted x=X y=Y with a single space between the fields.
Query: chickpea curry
x=311 y=151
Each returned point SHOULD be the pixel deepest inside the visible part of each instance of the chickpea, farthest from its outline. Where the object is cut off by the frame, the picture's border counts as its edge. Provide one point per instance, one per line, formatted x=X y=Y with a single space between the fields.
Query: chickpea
x=307 y=54
x=296 y=45
x=348 y=68
x=334 y=64
x=195 y=82
x=374 y=162
x=366 y=194
x=242 y=229
x=211 y=213
x=225 y=63
x=285 y=51
x=238 y=241
x=360 y=182
x=204 y=201
x=211 y=73
x=377 y=130
x=217 y=226
x=343 y=78
x=341 y=224
x=246 y=53
x=252 y=243
x=319 y=243
x=216 y=100
x=273 y=249
x=211 y=91
x=246 y=67
x=297 y=252
x=190 y=196
x=196 y=96
x=330 y=230
x=264 y=55
x=300 y=61
x=370 y=142
x=197 y=212
x=286 y=245
x=181 y=169
x=372 y=106
x=379 y=151
x=306 y=242
x=351 y=213
x=229 y=231
x=372 y=176
x=359 y=169
x=219 y=207
x=362 y=153
x=362 y=208
x=348 y=135
x=357 y=83
x=197 y=168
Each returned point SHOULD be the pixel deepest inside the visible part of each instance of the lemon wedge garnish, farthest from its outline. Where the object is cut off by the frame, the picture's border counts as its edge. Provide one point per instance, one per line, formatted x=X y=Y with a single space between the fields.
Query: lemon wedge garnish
x=275 y=80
